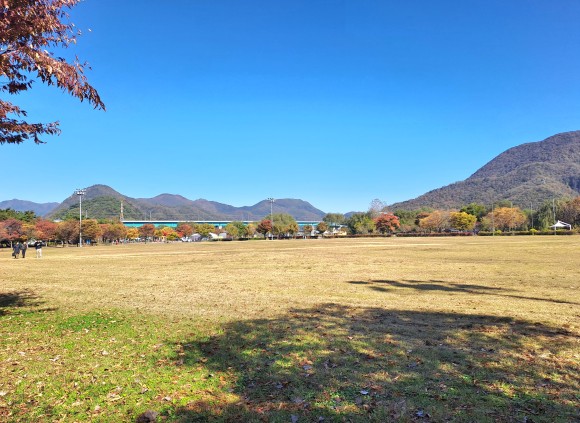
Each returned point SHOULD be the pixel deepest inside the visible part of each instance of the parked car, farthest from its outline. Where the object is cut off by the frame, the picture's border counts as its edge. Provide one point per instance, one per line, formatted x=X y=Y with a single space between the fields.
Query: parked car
x=32 y=243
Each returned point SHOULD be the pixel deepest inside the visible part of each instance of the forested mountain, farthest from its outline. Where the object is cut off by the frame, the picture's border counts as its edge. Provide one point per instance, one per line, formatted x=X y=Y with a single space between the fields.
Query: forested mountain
x=103 y=202
x=528 y=174
x=39 y=209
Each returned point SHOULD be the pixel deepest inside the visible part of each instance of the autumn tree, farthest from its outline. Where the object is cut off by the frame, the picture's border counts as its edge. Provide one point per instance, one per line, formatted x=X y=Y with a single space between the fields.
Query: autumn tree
x=387 y=223
x=204 y=229
x=115 y=231
x=68 y=231
x=251 y=230
x=167 y=233
x=292 y=228
x=29 y=30
x=45 y=229
x=11 y=230
x=507 y=218
x=146 y=231
x=570 y=212
x=462 y=221
x=28 y=231
x=91 y=230
x=132 y=233
x=438 y=220
x=322 y=227
x=422 y=215
x=184 y=230
x=264 y=227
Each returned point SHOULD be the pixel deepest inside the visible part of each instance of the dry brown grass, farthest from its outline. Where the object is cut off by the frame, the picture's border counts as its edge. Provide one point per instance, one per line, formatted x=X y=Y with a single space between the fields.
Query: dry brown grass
x=533 y=278
x=394 y=329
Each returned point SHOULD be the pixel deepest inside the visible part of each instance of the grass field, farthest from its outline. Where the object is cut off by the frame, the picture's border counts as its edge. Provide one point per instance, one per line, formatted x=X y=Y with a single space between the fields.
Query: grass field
x=412 y=330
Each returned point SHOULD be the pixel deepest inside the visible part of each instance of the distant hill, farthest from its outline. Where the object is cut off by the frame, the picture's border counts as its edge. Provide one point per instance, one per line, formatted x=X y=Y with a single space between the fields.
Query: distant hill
x=40 y=209
x=103 y=202
x=527 y=174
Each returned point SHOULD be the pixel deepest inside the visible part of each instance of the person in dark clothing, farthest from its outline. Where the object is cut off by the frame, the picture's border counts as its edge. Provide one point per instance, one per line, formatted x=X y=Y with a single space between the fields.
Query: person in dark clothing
x=16 y=250
x=38 y=247
x=23 y=249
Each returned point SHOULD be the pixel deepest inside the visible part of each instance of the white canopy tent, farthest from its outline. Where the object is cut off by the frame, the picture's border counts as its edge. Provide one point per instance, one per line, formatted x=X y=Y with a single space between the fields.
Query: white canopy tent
x=560 y=224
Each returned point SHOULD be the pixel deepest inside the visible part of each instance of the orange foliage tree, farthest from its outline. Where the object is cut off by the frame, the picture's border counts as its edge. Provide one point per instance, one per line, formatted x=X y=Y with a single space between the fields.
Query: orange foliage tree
x=45 y=230
x=506 y=218
x=387 y=223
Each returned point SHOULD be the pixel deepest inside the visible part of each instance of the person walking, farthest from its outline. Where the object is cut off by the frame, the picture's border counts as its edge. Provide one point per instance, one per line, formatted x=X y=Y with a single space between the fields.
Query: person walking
x=16 y=250
x=23 y=249
x=38 y=247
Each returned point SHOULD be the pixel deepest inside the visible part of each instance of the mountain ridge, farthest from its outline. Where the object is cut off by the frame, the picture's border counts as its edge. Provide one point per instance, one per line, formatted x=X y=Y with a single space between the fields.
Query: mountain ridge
x=527 y=174
x=103 y=202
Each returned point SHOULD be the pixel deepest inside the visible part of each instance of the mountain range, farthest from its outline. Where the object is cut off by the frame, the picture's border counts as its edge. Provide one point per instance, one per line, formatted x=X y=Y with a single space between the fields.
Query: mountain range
x=103 y=202
x=526 y=175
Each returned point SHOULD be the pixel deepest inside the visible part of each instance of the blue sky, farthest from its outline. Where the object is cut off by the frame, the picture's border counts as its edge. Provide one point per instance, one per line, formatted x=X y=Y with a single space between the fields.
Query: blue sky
x=334 y=102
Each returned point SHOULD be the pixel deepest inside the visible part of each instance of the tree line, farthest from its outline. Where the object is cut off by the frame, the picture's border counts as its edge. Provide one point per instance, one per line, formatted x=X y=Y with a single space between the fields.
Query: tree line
x=501 y=216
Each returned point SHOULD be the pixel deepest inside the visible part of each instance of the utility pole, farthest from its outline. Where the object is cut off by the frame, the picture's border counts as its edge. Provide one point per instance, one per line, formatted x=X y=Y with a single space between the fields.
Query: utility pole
x=80 y=193
x=554 y=212
x=492 y=222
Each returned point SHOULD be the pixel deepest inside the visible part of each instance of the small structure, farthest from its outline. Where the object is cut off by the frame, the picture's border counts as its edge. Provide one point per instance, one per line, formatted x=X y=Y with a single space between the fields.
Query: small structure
x=560 y=225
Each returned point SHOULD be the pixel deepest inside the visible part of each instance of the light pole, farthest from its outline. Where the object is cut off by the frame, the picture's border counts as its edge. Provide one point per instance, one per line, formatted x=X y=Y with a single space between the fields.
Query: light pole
x=554 y=211
x=492 y=220
x=271 y=200
x=80 y=193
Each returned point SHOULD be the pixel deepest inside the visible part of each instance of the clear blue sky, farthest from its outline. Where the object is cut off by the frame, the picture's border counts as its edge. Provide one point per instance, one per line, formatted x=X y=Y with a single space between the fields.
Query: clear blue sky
x=334 y=102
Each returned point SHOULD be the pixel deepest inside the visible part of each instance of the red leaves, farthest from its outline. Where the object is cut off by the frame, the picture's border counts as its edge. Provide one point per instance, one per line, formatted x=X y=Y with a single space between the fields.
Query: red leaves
x=27 y=30
x=386 y=222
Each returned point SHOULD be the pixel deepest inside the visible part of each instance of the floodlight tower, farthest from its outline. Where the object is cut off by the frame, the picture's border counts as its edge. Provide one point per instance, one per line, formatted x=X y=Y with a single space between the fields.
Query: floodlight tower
x=80 y=193
x=271 y=200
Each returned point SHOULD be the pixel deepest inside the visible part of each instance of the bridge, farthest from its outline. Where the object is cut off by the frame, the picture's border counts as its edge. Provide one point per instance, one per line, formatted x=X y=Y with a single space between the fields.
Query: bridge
x=216 y=223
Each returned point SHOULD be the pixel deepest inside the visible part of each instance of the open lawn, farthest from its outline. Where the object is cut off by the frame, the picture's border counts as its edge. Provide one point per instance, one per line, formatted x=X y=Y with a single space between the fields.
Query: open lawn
x=475 y=329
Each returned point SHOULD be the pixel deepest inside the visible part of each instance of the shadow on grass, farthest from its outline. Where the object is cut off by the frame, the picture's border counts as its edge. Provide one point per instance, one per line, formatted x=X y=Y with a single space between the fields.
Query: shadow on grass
x=336 y=363
x=437 y=285
x=17 y=299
